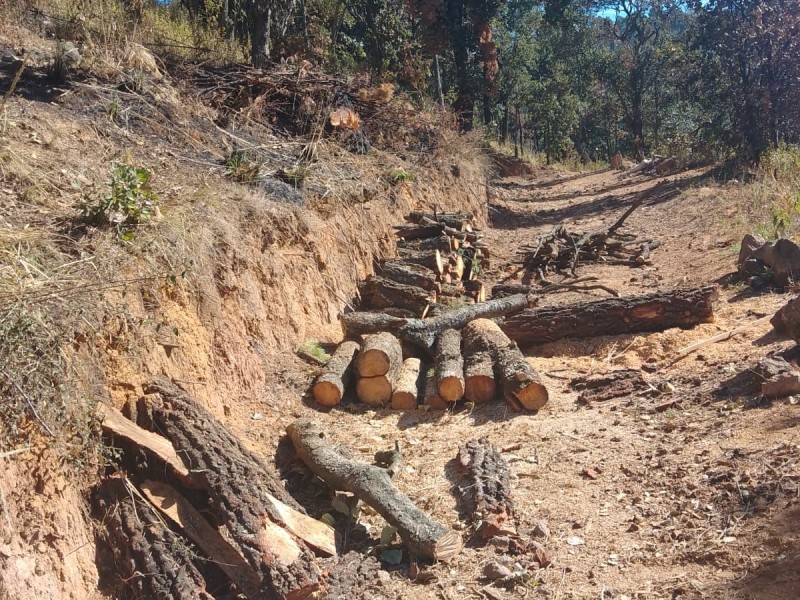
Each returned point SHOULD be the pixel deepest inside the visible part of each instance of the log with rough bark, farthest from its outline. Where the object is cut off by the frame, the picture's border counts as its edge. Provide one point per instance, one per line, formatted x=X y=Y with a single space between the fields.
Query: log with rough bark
x=479 y=381
x=377 y=293
x=462 y=221
x=449 y=366
x=424 y=537
x=423 y=332
x=485 y=489
x=177 y=509
x=331 y=384
x=431 y=395
x=432 y=260
x=683 y=308
x=786 y=320
x=407 y=388
x=521 y=384
x=418 y=231
x=148 y=557
x=454 y=290
x=380 y=354
x=441 y=243
x=410 y=274
x=240 y=488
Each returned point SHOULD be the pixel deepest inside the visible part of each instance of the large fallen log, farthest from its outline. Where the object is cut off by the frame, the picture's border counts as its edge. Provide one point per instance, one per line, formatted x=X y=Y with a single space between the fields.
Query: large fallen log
x=407 y=388
x=485 y=489
x=521 y=384
x=148 y=557
x=423 y=332
x=377 y=292
x=240 y=488
x=683 y=308
x=441 y=243
x=424 y=537
x=418 y=231
x=333 y=381
x=432 y=260
x=461 y=221
x=410 y=274
x=449 y=366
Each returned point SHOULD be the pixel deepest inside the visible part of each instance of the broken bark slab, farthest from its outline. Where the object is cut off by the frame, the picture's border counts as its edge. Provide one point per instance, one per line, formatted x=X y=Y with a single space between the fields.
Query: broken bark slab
x=778 y=377
x=521 y=384
x=176 y=508
x=485 y=489
x=377 y=292
x=114 y=423
x=331 y=384
x=787 y=320
x=599 y=388
x=239 y=485
x=409 y=274
x=431 y=260
x=149 y=558
x=449 y=366
x=373 y=485
x=407 y=388
x=423 y=332
x=635 y=314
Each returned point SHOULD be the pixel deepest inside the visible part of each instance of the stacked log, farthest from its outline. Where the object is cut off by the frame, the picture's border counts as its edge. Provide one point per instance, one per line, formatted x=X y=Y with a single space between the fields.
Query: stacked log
x=378 y=366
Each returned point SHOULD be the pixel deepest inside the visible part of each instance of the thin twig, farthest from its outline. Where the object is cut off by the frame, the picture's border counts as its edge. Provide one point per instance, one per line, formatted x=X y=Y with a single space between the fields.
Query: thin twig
x=29 y=402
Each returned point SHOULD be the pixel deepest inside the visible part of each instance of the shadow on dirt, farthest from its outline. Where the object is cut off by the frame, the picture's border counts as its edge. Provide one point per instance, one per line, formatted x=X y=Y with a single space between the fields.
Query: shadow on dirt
x=504 y=217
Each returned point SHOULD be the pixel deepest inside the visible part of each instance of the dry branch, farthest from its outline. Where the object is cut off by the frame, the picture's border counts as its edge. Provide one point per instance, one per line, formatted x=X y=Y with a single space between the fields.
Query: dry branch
x=373 y=485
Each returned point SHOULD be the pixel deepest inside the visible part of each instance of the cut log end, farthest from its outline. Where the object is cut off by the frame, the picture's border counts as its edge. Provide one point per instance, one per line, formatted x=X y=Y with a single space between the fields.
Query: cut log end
x=326 y=393
x=451 y=389
x=375 y=391
x=480 y=389
x=448 y=546
x=533 y=396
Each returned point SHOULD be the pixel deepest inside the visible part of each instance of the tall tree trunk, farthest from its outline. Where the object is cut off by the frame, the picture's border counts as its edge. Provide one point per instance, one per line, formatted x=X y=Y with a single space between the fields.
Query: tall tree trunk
x=261 y=13
x=465 y=99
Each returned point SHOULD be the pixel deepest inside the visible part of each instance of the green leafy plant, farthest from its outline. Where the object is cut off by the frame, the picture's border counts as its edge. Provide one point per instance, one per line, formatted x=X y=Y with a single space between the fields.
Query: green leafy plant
x=129 y=201
x=400 y=175
x=315 y=349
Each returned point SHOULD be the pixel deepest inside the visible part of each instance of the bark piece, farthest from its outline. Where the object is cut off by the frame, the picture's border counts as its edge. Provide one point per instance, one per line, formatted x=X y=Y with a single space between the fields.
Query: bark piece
x=373 y=485
x=409 y=274
x=432 y=260
x=521 y=384
x=634 y=314
x=149 y=558
x=377 y=292
x=406 y=390
x=599 y=388
x=238 y=485
x=778 y=377
x=114 y=423
x=787 y=320
x=449 y=366
x=422 y=332
x=333 y=381
x=175 y=507
x=485 y=489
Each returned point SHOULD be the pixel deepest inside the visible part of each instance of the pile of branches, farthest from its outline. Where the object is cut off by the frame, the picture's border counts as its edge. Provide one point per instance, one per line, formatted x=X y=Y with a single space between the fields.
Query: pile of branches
x=561 y=251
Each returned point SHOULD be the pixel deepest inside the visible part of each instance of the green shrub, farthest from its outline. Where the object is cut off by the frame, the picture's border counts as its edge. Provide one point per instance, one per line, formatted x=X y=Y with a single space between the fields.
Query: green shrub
x=400 y=175
x=129 y=201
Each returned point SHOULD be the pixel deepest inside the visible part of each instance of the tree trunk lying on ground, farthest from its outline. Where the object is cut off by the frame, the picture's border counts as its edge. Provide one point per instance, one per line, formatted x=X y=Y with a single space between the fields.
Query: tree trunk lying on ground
x=449 y=366
x=521 y=384
x=380 y=354
x=377 y=292
x=373 y=485
x=407 y=387
x=149 y=558
x=333 y=381
x=485 y=488
x=423 y=332
x=415 y=232
x=441 y=243
x=240 y=489
x=410 y=274
x=461 y=221
x=614 y=316
x=430 y=259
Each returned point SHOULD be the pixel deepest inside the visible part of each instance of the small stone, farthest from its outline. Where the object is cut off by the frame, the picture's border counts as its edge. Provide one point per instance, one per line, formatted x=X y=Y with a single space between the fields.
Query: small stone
x=541 y=529
x=575 y=540
x=501 y=542
x=494 y=571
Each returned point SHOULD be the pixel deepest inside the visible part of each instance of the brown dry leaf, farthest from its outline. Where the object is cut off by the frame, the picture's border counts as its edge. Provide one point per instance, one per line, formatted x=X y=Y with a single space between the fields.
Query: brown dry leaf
x=345 y=118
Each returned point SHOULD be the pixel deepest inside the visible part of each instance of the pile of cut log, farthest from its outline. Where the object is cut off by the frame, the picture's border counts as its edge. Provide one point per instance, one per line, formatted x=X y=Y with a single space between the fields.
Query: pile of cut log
x=439 y=256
